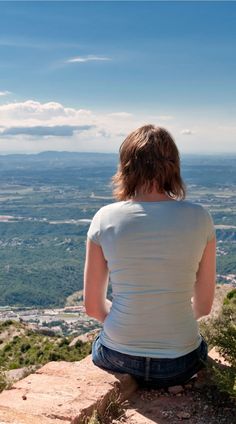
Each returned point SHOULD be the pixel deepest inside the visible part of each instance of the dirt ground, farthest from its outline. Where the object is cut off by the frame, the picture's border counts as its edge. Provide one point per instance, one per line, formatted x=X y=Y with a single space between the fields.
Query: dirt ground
x=194 y=403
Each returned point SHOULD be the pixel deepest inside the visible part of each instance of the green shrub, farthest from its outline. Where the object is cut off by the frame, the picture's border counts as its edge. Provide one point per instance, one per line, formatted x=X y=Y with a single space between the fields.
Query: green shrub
x=221 y=332
x=7 y=347
x=114 y=411
x=63 y=342
x=32 y=348
x=231 y=294
x=24 y=347
x=3 y=382
x=54 y=356
x=7 y=323
x=224 y=335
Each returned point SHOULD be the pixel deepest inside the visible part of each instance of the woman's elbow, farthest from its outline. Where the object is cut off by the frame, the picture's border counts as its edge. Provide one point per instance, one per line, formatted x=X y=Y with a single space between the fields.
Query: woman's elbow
x=88 y=308
x=206 y=311
x=201 y=309
x=94 y=313
x=90 y=312
x=91 y=309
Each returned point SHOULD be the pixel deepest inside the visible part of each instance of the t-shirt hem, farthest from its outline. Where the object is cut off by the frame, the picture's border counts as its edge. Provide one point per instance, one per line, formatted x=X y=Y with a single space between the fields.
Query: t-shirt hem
x=165 y=354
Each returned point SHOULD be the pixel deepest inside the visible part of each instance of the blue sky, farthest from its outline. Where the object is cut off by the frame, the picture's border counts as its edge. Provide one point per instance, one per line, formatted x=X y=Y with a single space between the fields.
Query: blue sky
x=100 y=69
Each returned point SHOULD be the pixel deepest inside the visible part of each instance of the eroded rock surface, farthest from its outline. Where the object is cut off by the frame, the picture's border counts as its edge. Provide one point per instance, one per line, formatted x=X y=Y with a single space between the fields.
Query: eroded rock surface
x=62 y=390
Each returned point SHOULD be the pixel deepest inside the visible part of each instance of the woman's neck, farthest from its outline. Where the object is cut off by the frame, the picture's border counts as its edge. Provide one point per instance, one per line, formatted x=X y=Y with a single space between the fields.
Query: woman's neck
x=153 y=196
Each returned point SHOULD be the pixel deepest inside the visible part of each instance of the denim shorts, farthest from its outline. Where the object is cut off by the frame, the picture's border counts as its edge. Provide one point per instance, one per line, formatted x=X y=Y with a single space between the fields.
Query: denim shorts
x=151 y=372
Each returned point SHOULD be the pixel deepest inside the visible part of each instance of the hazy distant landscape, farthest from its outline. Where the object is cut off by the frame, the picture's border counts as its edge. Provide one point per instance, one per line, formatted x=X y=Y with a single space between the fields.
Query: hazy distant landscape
x=47 y=201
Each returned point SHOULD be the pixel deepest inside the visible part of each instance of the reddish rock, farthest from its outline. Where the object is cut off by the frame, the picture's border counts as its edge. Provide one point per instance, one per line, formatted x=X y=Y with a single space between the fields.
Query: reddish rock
x=174 y=390
x=65 y=390
x=11 y=416
x=183 y=415
x=86 y=337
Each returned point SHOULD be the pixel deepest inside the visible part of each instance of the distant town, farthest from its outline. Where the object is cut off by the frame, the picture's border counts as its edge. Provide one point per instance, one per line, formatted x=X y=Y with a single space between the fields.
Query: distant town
x=71 y=320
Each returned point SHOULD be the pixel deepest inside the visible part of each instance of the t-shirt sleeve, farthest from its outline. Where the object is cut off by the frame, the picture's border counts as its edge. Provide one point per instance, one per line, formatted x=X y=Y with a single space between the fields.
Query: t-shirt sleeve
x=210 y=229
x=95 y=228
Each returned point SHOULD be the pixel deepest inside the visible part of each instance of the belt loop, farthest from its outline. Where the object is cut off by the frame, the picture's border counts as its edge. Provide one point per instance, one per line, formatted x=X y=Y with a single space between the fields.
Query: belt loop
x=147 y=368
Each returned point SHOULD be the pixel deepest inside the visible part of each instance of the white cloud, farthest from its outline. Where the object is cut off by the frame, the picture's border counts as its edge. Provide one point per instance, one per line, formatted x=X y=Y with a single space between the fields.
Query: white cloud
x=5 y=93
x=32 y=126
x=163 y=118
x=89 y=58
x=29 y=125
x=227 y=128
x=32 y=112
x=186 y=132
x=121 y=115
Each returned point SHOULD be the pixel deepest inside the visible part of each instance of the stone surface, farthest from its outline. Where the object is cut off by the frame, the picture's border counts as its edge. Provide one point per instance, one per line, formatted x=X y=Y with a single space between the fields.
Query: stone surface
x=135 y=417
x=64 y=391
x=19 y=373
x=183 y=415
x=86 y=337
x=175 y=389
x=67 y=392
x=216 y=356
x=11 y=416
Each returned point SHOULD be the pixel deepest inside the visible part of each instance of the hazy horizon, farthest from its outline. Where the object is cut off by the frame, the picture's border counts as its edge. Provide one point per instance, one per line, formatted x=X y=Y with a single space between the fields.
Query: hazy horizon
x=183 y=154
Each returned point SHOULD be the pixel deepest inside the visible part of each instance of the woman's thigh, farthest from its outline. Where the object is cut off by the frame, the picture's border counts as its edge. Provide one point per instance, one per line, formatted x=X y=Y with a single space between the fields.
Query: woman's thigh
x=151 y=372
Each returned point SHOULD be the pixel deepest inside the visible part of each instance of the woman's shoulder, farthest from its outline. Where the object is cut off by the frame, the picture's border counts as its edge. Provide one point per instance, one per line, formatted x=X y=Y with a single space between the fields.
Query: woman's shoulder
x=123 y=207
x=191 y=205
x=109 y=208
x=195 y=206
x=202 y=214
x=128 y=204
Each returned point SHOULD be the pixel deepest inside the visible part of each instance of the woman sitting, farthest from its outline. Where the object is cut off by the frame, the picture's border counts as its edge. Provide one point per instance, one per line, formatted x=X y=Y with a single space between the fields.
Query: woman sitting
x=158 y=253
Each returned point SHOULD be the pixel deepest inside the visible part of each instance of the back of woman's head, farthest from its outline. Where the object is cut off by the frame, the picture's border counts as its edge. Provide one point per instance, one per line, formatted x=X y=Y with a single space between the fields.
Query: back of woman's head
x=149 y=159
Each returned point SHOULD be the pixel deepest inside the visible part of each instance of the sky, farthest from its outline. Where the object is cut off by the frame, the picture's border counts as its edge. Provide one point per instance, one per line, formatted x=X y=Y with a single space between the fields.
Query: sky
x=79 y=76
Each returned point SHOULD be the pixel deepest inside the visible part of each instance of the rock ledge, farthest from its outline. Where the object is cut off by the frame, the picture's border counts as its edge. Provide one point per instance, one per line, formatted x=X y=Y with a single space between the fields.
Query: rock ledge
x=62 y=393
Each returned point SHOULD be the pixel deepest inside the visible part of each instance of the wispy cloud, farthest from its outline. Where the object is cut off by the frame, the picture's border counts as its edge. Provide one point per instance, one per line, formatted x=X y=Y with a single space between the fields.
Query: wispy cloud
x=165 y=117
x=89 y=58
x=4 y=93
x=186 y=131
x=121 y=114
x=56 y=130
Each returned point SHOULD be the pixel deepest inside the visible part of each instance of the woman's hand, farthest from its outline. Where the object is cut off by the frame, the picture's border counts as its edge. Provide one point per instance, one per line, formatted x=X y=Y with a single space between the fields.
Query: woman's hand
x=96 y=277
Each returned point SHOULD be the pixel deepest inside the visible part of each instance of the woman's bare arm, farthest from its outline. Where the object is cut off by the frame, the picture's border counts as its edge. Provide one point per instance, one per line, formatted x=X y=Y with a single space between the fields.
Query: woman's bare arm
x=204 y=288
x=96 y=282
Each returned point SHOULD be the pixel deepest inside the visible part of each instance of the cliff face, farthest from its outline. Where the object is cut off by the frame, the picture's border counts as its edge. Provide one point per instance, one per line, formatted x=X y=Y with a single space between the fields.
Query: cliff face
x=67 y=391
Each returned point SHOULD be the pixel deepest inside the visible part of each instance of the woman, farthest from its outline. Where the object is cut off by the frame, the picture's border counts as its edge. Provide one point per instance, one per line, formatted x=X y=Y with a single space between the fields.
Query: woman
x=158 y=252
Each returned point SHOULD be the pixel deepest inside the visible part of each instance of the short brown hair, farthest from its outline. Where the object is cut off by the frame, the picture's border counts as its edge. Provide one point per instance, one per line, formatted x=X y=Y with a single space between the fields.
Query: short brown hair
x=148 y=156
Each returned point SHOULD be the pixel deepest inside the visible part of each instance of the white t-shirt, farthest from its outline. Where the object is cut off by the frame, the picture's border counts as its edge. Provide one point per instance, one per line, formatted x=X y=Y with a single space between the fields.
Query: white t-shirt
x=153 y=250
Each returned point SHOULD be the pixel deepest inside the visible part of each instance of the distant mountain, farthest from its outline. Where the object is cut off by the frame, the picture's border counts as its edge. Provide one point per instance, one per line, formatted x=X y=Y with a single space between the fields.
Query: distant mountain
x=58 y=159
